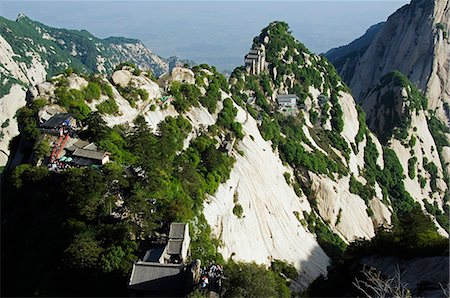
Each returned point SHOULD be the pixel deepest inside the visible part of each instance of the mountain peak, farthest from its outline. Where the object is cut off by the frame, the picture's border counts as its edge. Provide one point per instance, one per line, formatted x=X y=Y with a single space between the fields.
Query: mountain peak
x=121 y=40
x=21 y=17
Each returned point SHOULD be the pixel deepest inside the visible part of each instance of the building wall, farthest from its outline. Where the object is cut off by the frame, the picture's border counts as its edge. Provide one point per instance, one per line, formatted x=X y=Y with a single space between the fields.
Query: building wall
x=186 y=243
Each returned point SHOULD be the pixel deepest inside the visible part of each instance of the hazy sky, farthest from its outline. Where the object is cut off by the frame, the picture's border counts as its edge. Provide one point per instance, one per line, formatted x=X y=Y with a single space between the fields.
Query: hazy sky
x=215 y=32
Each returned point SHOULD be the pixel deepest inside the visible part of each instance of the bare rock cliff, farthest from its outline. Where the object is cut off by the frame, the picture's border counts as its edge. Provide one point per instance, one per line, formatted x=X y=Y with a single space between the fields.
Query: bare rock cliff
x=414 y=40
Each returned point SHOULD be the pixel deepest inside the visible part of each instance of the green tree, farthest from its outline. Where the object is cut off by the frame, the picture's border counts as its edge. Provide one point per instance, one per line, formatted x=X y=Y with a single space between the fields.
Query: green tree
x=84 y=251
x=252 y=280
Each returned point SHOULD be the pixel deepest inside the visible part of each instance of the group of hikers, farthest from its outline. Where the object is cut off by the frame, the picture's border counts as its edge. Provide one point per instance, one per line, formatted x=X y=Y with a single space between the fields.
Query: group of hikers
x=58 y=166
x=211 y=278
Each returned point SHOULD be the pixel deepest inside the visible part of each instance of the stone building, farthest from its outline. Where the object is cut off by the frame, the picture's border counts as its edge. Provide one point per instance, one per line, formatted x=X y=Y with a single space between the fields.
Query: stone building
x=255 y=60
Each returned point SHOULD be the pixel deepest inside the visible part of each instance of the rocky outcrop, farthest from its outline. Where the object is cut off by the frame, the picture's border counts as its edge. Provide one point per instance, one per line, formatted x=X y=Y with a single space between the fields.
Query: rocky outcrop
x=184 y=75
x=121 y=77
x=137 y=52
x=26 y=66
x=396 y=112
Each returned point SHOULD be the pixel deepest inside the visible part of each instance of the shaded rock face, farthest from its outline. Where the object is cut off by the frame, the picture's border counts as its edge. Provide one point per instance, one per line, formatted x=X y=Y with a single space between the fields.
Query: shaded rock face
x=382 y=116
x=425 y=276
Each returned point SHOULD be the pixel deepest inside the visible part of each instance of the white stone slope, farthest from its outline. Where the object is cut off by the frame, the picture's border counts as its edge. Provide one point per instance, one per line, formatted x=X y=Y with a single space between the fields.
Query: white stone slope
x=269 y=228
x=28 y=74
x=333 y=196
x=9 y=104
x=424 y=148
x=142 y=56
x=438 y=85
x=15 y=99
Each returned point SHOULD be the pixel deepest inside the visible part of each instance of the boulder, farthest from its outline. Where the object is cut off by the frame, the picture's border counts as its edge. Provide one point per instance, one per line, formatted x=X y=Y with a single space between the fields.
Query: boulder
x=121 y=77
x=184 y=75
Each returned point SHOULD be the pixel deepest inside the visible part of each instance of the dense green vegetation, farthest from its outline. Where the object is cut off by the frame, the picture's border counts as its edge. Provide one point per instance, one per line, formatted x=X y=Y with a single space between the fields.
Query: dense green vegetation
x=91 y=248
x=185 y=95
x=331 y=243
x=26 y=118
x=226 y=117
x=398 y=125
x=252 y=280
x=216 y=82
x=132 y=95
x=74 y=100
x=412 y=167
x=432 y=170
x=109 y=106
x=93 y=244
x=441 y=217
x=362 y=125
x=365 y=192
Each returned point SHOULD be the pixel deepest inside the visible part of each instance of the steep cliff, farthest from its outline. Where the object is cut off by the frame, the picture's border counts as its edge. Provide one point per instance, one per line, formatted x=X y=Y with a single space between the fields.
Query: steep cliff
x=415 y=41
x=346 y=57
x=397 y=113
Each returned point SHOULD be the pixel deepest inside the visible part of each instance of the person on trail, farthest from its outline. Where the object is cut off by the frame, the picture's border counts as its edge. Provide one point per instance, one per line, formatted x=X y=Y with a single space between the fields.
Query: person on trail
x=205 y=282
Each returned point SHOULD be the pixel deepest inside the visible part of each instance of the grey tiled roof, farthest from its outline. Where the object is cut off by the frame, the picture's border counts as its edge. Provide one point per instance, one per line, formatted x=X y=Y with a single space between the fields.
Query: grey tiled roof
x=82 y=161
x=79 y=144
x=56 y=120
x=286 y=97
x=283 y=96
x=97 y=155
x=90 y=146
x=251 y=56
x=146 y=271
x=174 y=246
x=177 y=230
x=155 y=279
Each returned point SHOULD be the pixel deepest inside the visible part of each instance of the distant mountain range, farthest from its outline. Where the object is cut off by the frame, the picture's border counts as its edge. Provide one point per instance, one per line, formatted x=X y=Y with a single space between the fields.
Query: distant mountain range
x=33 y=52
